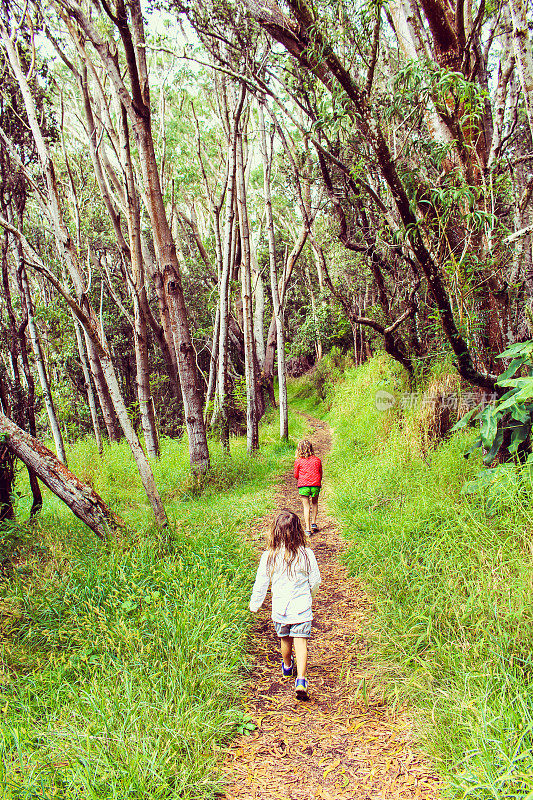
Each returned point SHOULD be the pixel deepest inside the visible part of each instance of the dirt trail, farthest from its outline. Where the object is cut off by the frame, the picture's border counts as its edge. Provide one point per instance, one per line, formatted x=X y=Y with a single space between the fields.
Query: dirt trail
x=345 y=742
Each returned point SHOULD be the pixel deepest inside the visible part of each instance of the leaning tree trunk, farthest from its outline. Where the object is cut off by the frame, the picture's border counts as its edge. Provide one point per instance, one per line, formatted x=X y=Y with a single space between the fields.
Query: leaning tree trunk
x=41 y=371
x=106 y=406
x=95 y=335
x=79 y=497
x=27 y=414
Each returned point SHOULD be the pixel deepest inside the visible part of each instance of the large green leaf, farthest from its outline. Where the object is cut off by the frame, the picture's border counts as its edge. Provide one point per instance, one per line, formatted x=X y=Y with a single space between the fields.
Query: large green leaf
x=489 y=456
x=521 y=413
x=489 y=426
x=461 y=423
x=515 y=364
x=525 y=392
x=514 y=383
x=519 y=435
x=518 y=349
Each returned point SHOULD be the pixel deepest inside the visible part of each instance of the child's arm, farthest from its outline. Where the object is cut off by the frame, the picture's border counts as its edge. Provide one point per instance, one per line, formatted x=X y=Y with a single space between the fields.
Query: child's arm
x=314 y=574
x=320 y=469
x=296 y=469
x=262 y=581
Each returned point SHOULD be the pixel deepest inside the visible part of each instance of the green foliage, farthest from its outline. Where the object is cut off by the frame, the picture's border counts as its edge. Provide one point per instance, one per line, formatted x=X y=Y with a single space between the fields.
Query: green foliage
x=239 y=394
x=450 y=582
x=506 y=423
x=320 y=382
x=424 y=81
x=122 y=661
x=323 y=325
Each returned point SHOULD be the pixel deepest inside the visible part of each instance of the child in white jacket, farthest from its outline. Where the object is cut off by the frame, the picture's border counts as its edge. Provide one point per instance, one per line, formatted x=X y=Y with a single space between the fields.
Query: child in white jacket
x=295 y=577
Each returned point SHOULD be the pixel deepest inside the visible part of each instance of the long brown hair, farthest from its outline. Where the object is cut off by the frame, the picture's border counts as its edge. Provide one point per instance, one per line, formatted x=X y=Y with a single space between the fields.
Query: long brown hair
x=304 y=449
x=286 y=534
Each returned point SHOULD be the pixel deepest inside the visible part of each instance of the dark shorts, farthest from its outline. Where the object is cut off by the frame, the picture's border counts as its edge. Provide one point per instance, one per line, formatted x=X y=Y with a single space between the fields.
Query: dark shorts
x=309 y=491
x=299 y=629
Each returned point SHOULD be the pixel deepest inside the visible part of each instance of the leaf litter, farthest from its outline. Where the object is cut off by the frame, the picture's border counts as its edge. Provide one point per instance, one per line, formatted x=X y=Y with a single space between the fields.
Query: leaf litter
x=346 y=742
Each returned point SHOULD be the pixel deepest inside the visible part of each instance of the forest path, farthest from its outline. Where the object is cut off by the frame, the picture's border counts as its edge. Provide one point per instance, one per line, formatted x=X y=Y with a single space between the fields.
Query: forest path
x=345 y=742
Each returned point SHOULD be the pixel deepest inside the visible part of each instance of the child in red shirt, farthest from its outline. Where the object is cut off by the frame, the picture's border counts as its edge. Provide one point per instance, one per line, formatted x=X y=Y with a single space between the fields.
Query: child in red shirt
x=308 y=473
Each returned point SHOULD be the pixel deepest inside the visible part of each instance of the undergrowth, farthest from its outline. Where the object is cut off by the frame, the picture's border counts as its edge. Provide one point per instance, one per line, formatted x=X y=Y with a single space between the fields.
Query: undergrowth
x=450 y=575
x=122 y=662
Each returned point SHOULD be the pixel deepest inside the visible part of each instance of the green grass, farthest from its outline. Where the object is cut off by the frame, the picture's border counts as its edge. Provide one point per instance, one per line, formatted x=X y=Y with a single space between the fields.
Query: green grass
x=450 y=575
x=122 y=662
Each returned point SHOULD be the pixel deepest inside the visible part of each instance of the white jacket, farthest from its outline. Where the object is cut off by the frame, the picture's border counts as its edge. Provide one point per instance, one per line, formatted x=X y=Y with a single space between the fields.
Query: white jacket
x=292 y=592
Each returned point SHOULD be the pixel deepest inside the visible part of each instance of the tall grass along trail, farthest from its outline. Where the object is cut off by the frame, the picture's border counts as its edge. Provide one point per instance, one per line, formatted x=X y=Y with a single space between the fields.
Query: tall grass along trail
x=346 y=742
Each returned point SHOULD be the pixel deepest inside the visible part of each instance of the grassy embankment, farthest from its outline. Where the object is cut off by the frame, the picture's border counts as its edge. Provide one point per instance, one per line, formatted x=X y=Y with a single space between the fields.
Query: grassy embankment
x=120 y=661
x=450 y=575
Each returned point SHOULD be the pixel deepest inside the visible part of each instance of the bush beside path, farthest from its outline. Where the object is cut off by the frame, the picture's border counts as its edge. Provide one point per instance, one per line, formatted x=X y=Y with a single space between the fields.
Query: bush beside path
x=346 y=742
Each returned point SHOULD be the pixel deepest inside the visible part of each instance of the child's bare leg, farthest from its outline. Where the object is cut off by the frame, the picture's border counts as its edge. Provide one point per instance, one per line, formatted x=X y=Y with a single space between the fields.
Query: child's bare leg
x=286 y=650
x=307 y=511
x=314 y=509
x=300 y=649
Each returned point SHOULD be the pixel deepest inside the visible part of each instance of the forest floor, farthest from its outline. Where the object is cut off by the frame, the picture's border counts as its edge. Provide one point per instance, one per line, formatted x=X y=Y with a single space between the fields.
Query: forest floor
x=346 y=742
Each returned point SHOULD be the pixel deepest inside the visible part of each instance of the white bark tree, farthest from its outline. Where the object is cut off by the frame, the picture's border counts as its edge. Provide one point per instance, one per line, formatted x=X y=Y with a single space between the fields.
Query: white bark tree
x=523 y=53
x=250 y=358
x=52 y=207
x=128 y=22
x=266 y=153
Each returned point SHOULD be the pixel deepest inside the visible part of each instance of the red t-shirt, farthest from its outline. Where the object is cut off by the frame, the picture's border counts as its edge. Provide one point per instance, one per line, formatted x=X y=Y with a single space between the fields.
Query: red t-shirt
x=308 y=471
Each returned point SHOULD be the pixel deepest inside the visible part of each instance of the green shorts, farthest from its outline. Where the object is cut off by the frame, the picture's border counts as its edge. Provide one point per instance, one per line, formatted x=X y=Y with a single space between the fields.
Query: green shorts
x=309 y=491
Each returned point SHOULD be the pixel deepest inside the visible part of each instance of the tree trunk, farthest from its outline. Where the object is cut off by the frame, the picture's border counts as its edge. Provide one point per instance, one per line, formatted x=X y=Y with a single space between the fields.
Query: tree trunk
x=169 y=352
x=26 y=399
x=224 y=287
x=137 y=292
x=290 y=263
x=259 y=317
x=144 y=393
x=94 y=335
x=252 y=432
x=145 y=471
x=88 y=385
x=523 y=53
x=213 y=361
x=106 y=406
x=278 y=310
x=79 y=497
x=138 y=108
x=192 y=403
x=41 y=372
x=318 y=341
x=7 y=481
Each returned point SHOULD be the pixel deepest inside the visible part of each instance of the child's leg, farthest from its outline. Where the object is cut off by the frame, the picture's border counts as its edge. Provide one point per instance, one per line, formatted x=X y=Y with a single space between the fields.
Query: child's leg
x=300 y=649
x=286 y=650
x=314 y=509
x=307 y=510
